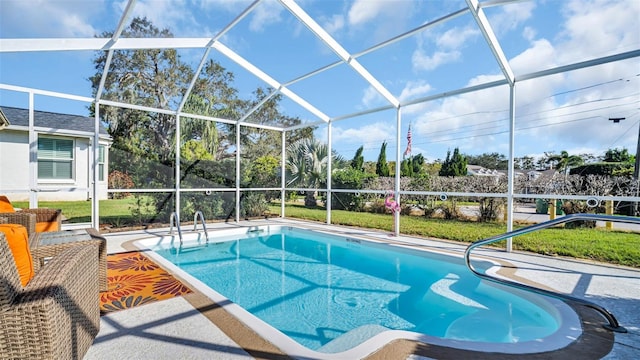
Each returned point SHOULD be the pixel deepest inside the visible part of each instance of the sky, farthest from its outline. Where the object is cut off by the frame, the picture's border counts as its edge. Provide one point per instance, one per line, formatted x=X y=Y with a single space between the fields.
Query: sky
x=562 y=112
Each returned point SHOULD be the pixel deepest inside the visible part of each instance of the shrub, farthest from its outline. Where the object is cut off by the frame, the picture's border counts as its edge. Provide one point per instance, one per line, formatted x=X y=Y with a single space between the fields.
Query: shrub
x=253 y=204
x=576 y=207
x=120 y=180
x=349 y=178
x=604 y=168
x=490 y=208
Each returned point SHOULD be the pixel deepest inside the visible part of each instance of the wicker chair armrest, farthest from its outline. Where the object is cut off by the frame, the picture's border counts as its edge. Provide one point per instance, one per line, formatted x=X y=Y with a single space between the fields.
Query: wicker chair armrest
x=27 y=220
x=59 y=307
x=45 y=214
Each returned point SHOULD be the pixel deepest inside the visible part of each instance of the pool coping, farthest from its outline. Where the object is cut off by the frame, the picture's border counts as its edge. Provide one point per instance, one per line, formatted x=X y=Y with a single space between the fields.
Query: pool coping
x=393 y=342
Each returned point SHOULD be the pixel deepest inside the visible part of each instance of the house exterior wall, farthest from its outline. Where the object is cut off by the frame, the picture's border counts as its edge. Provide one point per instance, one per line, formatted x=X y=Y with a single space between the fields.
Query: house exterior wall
x=14 y=171
x=14 y=162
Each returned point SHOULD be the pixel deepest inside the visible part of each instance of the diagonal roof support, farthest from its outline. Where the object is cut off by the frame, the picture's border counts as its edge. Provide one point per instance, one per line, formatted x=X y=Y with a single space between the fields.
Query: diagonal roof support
x=490 y=37
x=205 y=56
x=257 y=106
x=324 y=36
x=268 y=79
x=116 y=35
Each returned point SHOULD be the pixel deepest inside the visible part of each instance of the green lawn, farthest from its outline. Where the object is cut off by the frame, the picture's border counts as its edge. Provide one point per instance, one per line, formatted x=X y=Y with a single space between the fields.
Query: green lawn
x=112 y=211
x=611 y=246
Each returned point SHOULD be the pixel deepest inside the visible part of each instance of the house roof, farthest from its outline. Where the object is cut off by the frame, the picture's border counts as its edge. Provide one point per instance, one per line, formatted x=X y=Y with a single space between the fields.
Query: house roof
x=478 y=170
x=45 y=119
x=4 y=122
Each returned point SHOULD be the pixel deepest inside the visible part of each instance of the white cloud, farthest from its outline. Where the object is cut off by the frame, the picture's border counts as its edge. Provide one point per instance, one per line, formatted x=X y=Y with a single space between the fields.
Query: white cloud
x=455 y=38
x=370 y=135
x=599 y=27
x=334 y=24
x=446 y=50
x=267 y=13
x=511 y=16
x=226 y=5
x=379 y=19
x=49 y=18
x=371 y=97
x=414 y=89
x=529 y=33
x=422 y=61
x=541 y=55
x=363 y=11
x=172 y=15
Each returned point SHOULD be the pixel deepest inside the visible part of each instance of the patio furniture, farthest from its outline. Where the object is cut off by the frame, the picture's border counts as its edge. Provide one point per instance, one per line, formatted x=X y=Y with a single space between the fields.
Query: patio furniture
x=46 y=219
x=28 y=220
x=47 y=245
x=57 y=314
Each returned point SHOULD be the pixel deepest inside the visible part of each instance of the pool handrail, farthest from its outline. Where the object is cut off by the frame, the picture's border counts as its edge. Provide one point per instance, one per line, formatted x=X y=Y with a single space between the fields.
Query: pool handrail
x=613 y=322
x=195 y=225
x=173 y=219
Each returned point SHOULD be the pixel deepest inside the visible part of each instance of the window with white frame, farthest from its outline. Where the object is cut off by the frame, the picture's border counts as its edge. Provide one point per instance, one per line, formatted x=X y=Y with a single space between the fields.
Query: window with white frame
x=101 y=149
x=55 y=158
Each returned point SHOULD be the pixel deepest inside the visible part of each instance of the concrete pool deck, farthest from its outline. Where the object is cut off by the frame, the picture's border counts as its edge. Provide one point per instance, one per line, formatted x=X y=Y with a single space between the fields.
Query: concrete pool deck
x=189 y=327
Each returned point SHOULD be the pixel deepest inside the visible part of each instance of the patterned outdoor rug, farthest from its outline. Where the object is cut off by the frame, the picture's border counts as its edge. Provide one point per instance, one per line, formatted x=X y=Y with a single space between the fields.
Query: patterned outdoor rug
x=134 y=280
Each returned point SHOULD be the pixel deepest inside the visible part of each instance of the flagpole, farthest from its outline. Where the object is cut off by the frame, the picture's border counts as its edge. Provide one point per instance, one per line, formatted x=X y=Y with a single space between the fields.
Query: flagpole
x=408 y=150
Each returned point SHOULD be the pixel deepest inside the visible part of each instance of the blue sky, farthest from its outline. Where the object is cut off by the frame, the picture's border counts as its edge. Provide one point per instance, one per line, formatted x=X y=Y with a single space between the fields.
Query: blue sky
x=567 y=111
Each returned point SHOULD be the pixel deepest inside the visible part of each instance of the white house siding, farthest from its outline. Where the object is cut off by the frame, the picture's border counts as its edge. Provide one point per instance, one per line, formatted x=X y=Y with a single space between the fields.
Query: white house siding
x=14 y=172
x=14 y=163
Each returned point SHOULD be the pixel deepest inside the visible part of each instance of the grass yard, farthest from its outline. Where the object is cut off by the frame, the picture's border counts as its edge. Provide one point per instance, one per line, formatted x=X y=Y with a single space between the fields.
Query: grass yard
x=611 y=246
x=111 y=211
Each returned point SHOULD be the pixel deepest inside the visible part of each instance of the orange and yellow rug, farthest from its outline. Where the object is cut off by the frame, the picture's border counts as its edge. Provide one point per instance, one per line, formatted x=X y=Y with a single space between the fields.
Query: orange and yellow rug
x=134 y=280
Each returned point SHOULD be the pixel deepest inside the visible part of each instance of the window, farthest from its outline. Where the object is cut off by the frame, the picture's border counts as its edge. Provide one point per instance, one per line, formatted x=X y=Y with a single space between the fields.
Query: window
x=101 y=149
x=55 y=158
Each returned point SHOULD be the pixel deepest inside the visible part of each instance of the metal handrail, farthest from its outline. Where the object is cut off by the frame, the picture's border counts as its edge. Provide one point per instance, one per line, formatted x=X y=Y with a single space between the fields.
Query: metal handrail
x=173 y=219
x=613 y=323
x=204 y=225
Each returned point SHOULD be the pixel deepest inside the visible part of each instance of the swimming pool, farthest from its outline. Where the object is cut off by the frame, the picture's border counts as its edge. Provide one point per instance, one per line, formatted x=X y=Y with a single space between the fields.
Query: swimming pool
x=311 y=292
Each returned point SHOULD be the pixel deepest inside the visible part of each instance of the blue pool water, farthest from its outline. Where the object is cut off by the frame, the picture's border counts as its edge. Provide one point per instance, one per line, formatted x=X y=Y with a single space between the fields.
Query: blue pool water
x=314 y=288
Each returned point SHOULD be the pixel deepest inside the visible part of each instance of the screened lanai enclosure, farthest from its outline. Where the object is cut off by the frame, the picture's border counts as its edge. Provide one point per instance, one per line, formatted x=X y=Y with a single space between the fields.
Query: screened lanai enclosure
x=249 y=109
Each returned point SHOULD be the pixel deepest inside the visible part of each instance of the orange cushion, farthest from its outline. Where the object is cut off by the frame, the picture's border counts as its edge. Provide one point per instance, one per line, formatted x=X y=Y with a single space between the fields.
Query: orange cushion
x=47 y=226
x=19 y=244
x=5 y=205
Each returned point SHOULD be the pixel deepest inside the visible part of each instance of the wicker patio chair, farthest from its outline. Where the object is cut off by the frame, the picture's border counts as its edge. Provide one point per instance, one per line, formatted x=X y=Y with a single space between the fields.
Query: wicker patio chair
x=57 y=314
x=28 y=220
x=46 y=219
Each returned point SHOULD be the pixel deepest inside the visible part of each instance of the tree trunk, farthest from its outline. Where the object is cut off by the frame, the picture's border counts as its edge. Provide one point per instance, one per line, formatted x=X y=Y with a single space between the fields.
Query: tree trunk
x=310 y=199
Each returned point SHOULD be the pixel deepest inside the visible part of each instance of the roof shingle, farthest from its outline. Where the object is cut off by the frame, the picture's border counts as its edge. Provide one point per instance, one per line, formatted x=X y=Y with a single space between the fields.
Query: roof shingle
x=20 y=117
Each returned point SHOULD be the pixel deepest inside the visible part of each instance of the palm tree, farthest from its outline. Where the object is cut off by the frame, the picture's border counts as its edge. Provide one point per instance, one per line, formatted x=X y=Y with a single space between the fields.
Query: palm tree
x=563 y=162
x=307 y=161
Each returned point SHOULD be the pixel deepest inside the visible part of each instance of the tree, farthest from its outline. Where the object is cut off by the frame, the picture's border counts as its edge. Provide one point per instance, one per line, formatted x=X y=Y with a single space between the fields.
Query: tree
x=406 y=167
x=493 y=161
x=618 y=155
x=445 y=169
x=417 y=161
x=563 y=161
x=155 y=78
x=455 y=165
x=306 y=166
x=358 y=160
x=382 y=167
x=144 y=142
x=524 y=163
x=412 y=166
x=194 y=150
x=257 y=142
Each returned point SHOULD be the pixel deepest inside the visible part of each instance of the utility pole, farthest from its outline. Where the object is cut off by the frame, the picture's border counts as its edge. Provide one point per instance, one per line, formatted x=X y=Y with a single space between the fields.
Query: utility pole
x=636 y=167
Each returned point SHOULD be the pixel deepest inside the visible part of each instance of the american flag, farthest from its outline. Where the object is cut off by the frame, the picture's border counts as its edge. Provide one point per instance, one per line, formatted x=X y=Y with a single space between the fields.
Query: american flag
x=408 y=150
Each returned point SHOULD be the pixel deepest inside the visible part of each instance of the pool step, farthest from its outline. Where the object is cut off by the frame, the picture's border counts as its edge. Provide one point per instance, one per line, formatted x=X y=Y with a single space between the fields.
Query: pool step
x=352 y=338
